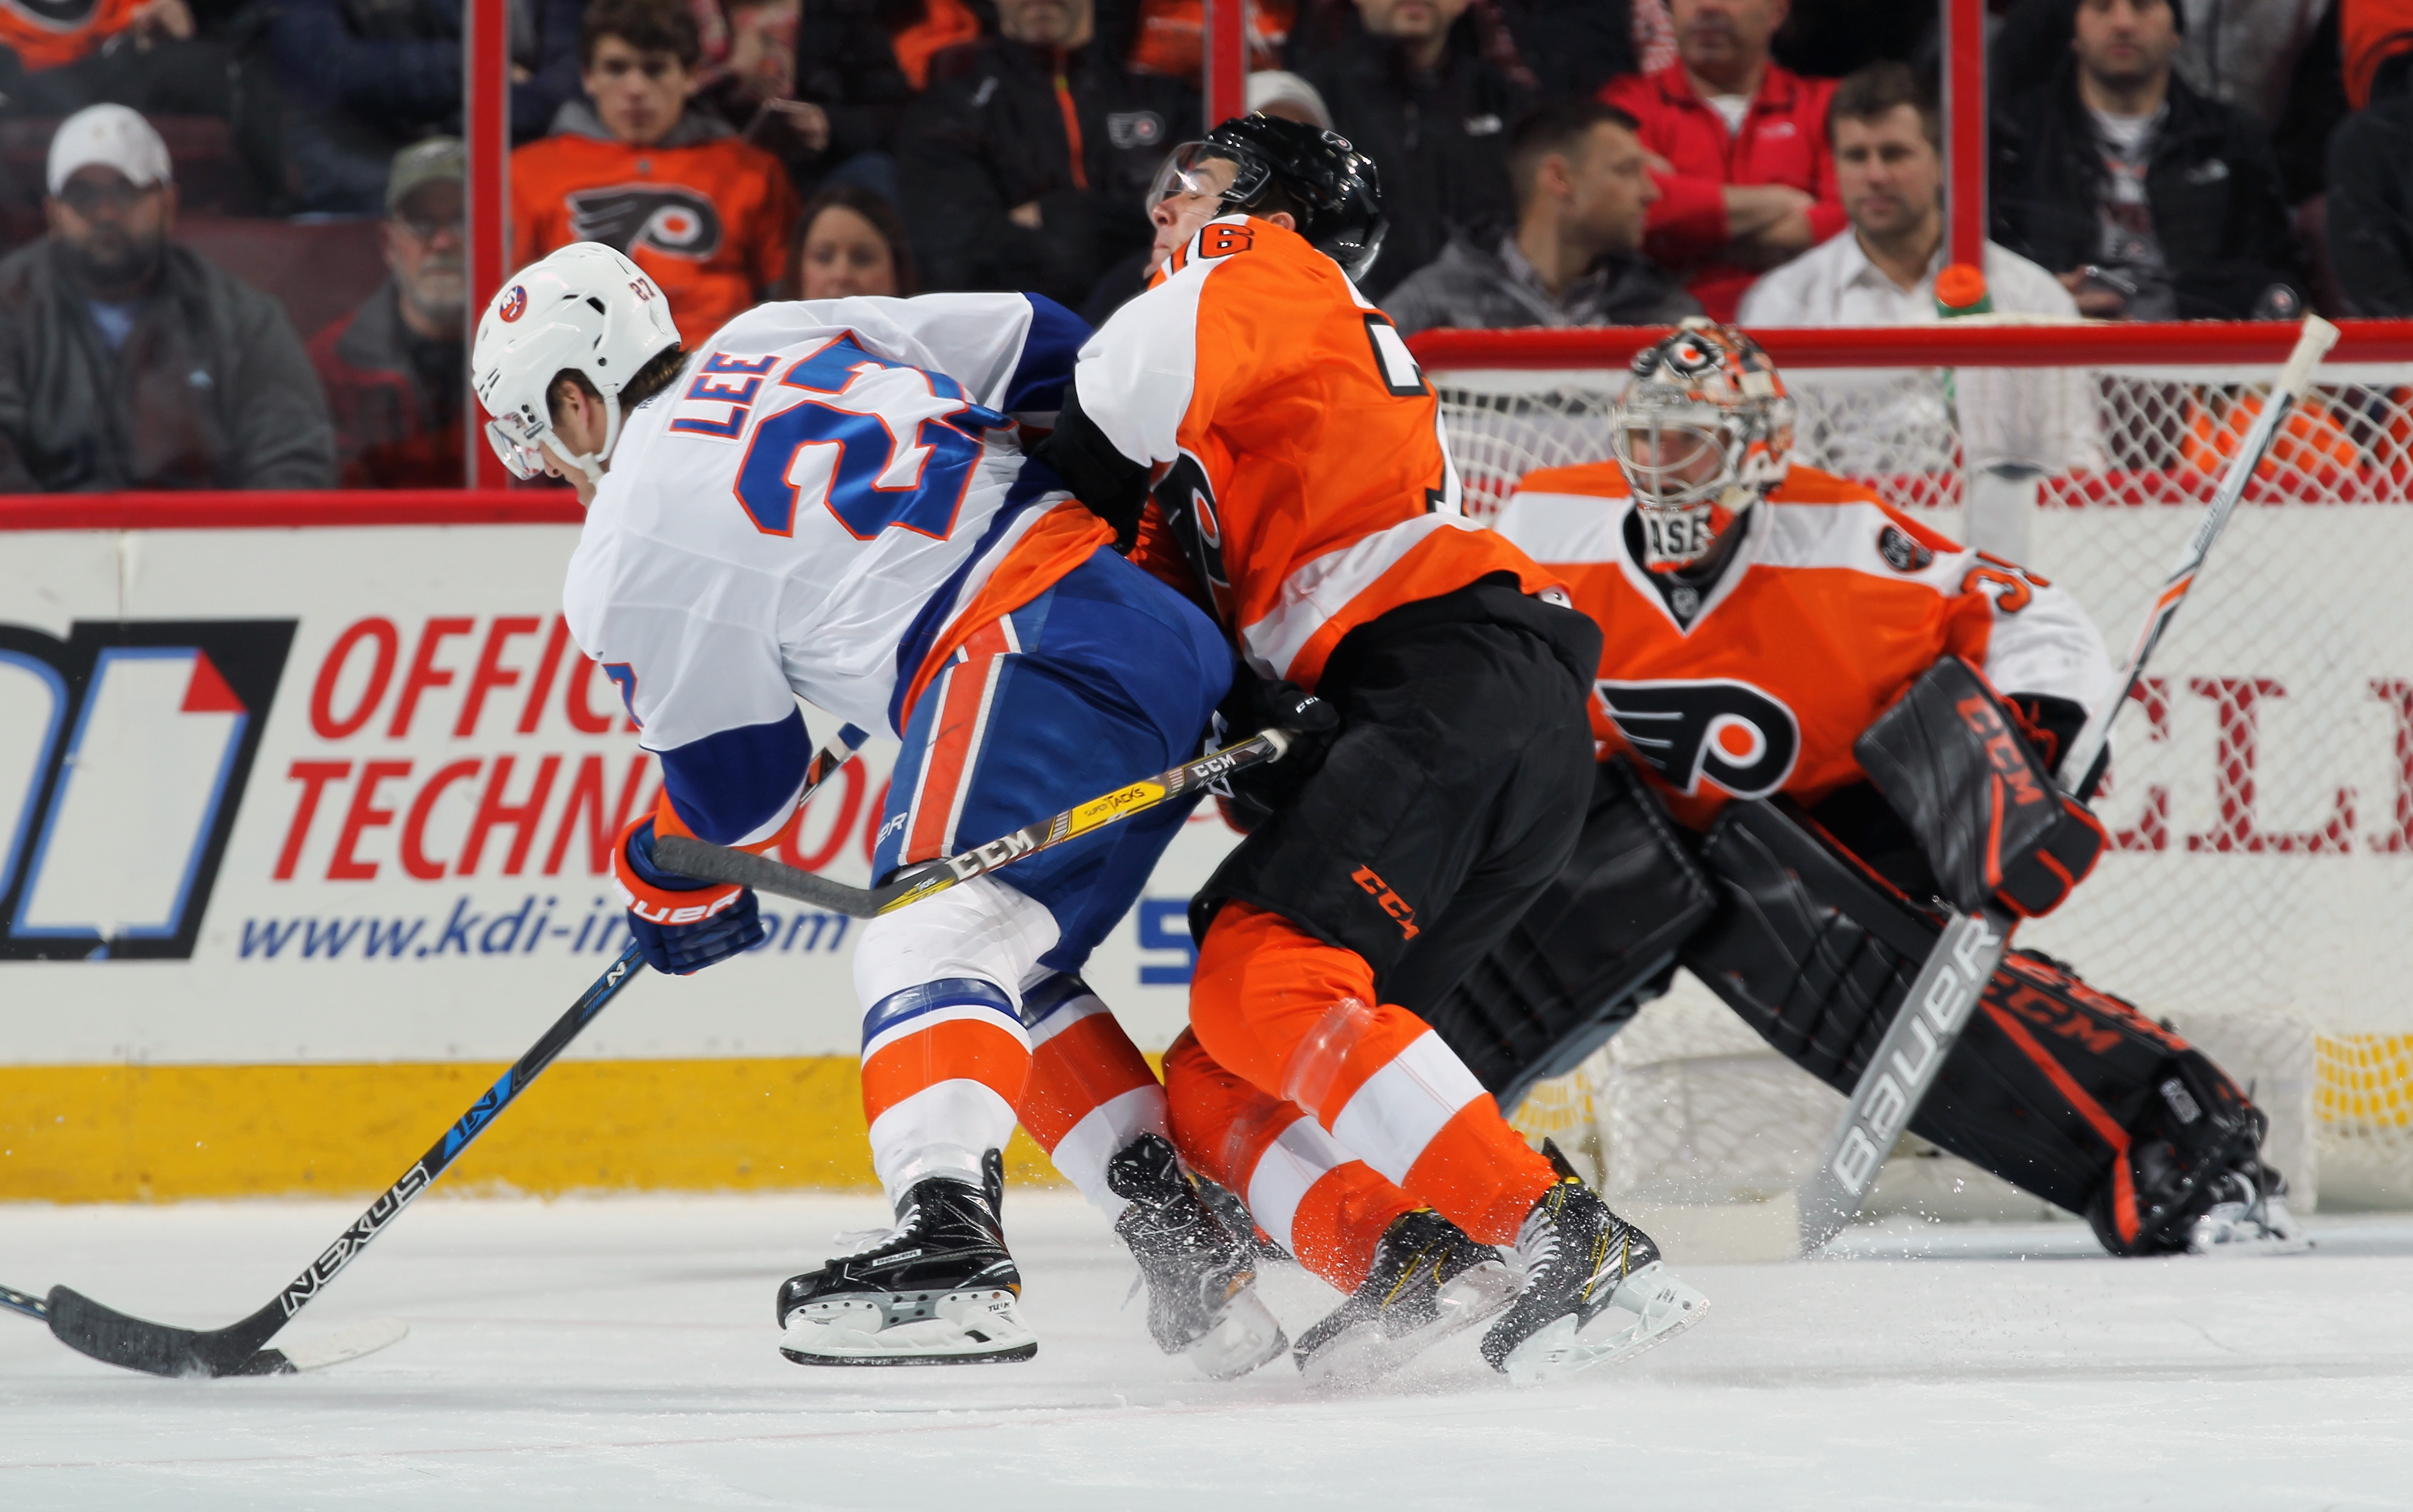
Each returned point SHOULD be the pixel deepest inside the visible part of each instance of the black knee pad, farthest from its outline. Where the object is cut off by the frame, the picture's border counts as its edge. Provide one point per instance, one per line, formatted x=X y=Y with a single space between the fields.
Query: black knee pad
x=1590 y=950
x=2067 y=1091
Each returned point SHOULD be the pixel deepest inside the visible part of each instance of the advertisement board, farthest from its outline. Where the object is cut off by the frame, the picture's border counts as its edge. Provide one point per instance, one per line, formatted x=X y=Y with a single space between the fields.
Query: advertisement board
x=334 y=796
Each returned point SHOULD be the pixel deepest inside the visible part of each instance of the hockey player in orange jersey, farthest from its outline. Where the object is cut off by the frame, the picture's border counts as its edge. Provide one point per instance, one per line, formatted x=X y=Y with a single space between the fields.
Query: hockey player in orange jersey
x=1255 y=427
x=1757 y=617
x=705 y=213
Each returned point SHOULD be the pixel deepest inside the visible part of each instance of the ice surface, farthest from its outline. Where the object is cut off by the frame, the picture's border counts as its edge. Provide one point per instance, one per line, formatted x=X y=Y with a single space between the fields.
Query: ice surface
x=620 y=1353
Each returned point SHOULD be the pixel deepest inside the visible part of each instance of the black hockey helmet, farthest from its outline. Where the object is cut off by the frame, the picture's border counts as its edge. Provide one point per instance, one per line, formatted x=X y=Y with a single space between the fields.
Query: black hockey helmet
x=1336 y=192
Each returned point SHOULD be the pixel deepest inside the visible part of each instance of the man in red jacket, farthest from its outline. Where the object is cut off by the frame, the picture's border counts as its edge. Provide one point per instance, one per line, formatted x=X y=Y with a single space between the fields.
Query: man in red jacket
x=1751 y=176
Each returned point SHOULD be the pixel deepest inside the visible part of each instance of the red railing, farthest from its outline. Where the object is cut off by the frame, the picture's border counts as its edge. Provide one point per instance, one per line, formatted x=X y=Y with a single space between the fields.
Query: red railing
x=1949 y=344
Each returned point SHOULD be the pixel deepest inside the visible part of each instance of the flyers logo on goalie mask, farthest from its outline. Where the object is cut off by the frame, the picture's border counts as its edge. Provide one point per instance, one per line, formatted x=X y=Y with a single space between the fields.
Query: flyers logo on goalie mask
x=1728 y=733
x=661 y=217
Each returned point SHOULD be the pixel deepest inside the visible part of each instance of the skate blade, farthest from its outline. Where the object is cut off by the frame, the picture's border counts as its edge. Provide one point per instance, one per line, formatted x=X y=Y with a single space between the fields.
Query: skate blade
x=1366 y=1354
x=1244 y=1337
x=1647 y=1307
x=981 y=1328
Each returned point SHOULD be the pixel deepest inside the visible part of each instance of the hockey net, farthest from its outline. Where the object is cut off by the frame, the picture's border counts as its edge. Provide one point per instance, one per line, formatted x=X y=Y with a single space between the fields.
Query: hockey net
x=2260 y=892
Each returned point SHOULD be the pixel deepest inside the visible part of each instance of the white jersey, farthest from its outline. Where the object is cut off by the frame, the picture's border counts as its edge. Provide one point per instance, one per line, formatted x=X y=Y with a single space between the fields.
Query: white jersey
x=799 y=516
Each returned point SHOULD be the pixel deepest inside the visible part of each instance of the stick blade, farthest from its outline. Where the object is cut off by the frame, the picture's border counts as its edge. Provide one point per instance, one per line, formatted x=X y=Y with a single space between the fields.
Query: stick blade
x=336 y=1346
x=135 y=1343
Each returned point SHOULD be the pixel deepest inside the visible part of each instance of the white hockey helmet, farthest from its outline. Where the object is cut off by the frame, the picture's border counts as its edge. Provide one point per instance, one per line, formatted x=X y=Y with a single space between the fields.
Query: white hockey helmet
x=584 y=308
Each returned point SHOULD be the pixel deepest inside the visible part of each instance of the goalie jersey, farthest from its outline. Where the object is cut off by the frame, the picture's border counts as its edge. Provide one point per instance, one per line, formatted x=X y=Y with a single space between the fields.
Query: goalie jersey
x=826 y=502
x=1831 y=605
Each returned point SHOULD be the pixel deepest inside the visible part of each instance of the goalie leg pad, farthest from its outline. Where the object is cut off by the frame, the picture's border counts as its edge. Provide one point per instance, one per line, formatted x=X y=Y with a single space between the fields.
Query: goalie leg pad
x=1598 y=943
x=2067 y=1091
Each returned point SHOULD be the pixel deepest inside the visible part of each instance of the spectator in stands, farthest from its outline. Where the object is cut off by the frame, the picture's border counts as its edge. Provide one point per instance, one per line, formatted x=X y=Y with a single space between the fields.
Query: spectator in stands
x=363 y=78
x=1888 y=140
x=850 y=240
x=1750 y=180
x=56 y=58
x=706 y=214
x=126 y=361
x=1414 y=89
x=1026 y=165
x=1270 y=91
x=1882 y=270
x=393 y=369
x=2148 y=200
x=1574 y=256
x=2371 y=193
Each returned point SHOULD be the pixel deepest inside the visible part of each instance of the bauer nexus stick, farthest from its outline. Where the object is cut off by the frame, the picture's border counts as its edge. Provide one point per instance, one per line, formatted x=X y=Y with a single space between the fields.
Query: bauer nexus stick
x=240 y=1348
x=718 y=863
x=1947 y=991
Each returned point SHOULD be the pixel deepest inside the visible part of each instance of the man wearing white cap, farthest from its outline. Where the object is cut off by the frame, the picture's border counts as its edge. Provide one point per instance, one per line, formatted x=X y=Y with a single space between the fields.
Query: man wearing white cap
x=128 y=362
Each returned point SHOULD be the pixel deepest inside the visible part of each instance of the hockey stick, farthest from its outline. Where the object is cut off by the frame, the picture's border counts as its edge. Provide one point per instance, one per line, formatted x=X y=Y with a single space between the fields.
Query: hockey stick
x=240 y=1348
x=715 y=862
x=1916 y=1044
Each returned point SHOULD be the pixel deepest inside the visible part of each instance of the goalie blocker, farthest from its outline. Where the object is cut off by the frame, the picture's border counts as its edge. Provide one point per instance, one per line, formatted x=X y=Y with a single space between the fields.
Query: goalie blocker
x=1810 y=934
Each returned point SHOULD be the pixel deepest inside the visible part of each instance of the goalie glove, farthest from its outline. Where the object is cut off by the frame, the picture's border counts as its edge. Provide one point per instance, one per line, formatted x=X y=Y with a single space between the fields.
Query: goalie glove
x=1950 y=758
x=681 y=924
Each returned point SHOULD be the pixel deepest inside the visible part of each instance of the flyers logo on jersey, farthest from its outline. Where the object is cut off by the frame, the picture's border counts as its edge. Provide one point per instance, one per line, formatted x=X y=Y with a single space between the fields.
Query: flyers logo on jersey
x=1728 y=733
x=661 y=218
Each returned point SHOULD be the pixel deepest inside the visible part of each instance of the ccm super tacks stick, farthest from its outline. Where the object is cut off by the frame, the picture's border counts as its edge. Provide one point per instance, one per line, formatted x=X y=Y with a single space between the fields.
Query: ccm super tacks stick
x=715 y=862
x=1930 y=1021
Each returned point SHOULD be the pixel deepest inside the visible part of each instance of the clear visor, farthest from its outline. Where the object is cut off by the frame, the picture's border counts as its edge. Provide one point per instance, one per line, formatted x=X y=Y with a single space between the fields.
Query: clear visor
x=1195 y=168
x=518 y=451
x=1671 y=457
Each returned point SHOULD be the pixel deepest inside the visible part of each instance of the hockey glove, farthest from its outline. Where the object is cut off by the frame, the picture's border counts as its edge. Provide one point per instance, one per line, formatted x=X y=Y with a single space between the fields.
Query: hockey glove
x=682 y=924
x=1250 y=797
x=1950 y=758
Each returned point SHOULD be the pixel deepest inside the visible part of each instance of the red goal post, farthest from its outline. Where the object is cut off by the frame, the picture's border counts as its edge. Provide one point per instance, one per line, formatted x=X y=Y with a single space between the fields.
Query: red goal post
x=2261 y=799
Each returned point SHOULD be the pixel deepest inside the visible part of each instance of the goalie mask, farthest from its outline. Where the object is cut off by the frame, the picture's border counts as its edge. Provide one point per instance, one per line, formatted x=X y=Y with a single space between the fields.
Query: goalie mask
x=1337 y=195
x=1704 y=430
x=585 y=309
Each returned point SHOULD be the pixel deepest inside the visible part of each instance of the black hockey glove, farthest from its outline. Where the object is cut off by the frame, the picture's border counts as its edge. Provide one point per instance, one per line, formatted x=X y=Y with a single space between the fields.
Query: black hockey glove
x=1109 y=484
x=1949 y=758
x=1250 y=797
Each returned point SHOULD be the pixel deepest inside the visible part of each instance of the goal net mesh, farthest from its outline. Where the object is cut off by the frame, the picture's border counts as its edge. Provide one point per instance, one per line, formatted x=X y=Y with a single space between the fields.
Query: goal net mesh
x=2259 y=894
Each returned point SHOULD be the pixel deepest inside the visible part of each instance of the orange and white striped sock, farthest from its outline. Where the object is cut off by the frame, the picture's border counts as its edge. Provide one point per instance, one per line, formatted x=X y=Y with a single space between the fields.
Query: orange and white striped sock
x=1090 y=1090
x=1297 y=1018
x=943 y=1065
x=1308 y=1194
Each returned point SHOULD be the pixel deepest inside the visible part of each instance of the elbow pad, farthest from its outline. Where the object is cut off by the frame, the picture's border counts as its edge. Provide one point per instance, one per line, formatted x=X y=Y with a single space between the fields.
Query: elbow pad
x=1109 y=484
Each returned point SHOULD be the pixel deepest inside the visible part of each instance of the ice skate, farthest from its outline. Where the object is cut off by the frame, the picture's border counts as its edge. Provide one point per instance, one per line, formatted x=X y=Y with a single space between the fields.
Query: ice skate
x=1429 y=1281
x=1202 y=1301
x=2248 y=1216
x=1596 y=1290
x=939 y=1290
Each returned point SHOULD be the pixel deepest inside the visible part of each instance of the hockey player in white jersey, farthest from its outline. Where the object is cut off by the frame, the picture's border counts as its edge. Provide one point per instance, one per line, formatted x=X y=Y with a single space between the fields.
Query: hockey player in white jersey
x=831 y=502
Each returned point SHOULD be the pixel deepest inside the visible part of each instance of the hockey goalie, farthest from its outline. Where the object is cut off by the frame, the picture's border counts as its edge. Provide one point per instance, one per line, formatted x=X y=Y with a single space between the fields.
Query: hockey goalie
x=1774 y=636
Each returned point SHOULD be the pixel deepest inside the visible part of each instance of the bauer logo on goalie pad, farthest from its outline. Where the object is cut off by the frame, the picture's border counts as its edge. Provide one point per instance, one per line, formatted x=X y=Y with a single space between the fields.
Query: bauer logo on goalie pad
x=1727 y=732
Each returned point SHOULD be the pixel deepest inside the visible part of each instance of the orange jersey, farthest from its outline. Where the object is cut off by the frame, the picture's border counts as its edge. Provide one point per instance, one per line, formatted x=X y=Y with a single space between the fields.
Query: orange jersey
x=51 y=35
x=1834 y=604
x=1294 y=445
x=709 y=221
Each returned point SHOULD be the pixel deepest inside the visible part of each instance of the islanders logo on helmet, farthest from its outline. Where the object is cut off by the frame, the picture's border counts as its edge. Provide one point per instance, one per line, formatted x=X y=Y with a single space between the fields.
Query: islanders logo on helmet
x=1704 y=430
x=514 y=303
